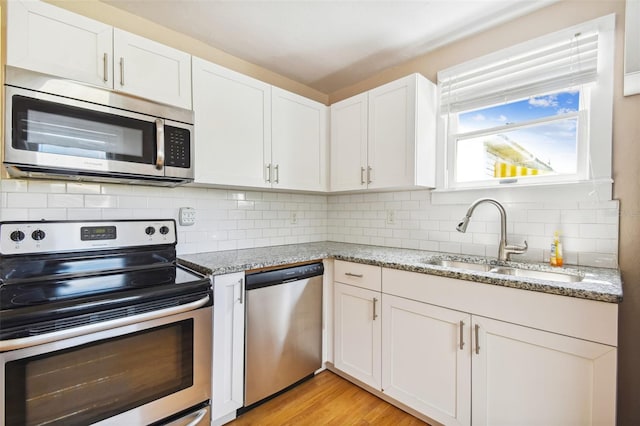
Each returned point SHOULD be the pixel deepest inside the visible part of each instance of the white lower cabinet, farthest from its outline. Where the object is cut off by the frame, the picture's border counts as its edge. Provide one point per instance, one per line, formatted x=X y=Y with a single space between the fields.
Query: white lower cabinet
x=426 y=359
x=357 y=333
x=540 y=360
x=228 y=347
x=523 y=376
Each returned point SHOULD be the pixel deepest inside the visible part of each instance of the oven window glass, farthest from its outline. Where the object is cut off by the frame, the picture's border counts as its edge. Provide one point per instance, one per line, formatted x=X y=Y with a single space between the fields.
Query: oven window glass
x=53 y=128
x=95 y=381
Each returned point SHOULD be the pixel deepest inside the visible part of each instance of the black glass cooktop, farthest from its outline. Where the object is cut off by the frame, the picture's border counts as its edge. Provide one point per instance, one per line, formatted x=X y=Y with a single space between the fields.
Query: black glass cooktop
x=34 y=289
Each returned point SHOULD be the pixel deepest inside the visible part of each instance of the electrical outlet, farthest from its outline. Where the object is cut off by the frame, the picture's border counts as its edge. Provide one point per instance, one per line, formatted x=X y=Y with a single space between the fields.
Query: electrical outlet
x=294 y=218
x=391 y=217
x=187 y=216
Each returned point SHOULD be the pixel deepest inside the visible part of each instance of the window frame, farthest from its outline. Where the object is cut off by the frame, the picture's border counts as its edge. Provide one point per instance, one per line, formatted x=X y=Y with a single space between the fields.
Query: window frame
x=594 y=151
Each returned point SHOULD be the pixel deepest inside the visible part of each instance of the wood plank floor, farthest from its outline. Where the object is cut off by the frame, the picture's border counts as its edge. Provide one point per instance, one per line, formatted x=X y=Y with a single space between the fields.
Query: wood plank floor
x=327 y=399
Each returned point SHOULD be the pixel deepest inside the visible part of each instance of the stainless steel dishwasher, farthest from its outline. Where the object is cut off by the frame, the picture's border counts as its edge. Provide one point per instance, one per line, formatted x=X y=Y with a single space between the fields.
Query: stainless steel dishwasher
x=283 y=329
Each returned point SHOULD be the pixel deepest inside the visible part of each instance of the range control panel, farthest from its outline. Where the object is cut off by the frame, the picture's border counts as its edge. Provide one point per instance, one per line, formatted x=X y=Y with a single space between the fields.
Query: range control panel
x=70 y=236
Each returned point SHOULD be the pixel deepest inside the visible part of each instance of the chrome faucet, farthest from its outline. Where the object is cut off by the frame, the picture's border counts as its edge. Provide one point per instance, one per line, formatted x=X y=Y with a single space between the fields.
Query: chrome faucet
x=504 y=250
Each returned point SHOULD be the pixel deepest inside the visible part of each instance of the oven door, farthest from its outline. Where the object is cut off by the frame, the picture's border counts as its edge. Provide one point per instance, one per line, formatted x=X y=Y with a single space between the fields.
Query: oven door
x=131 y=375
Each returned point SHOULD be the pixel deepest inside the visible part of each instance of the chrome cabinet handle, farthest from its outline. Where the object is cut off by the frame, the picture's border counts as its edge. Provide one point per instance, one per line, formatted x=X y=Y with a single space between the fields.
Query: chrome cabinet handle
x=267 y=173
x=159 y=143
x=375 y=301
x=121 y=71
x=25 y=342
x=105 y=69
x=349 y=274
x=369 y=173
x=276 y=171
x=477 y=330
x=241 y=297
x=362 y=181
x=461 y=335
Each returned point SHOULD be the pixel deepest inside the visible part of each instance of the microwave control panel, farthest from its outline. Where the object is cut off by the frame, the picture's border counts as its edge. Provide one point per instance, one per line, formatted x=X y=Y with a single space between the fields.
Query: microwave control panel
x=177 y=147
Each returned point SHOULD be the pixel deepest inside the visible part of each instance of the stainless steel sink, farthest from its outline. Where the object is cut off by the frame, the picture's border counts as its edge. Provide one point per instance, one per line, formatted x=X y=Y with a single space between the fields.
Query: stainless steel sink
x=508 y=270
x=483 y=267
x=542 y=275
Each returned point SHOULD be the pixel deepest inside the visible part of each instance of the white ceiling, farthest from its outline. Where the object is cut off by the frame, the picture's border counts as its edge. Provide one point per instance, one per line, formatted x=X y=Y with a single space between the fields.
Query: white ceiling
x=327 y=45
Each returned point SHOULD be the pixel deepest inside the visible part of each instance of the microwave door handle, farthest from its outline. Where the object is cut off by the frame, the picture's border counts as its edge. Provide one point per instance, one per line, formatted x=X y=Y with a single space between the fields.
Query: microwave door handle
x=159 y=144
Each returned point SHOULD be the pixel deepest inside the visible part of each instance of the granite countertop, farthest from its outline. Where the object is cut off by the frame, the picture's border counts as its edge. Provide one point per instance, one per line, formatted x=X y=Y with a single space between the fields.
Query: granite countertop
x=601 y=284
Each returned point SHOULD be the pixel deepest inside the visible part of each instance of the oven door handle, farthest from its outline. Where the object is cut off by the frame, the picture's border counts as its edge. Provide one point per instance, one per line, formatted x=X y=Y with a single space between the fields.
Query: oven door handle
x=25 y=342
x=197 y=417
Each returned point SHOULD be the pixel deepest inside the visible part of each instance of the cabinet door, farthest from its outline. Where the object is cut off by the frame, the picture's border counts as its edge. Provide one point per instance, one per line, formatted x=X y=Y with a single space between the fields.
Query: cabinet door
x=392 y=134
x=232 y=126
x=426 y=359
x=357 y=333
x=349 y=143
x=299 y=142
x=530 y=377
x=151 y=70
x=402 y=134
x=44 y=38
x=228 y=344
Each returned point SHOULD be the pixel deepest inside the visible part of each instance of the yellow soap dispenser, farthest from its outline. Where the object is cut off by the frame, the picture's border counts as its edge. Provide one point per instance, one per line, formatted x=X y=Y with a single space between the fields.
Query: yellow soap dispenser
x=555 y=258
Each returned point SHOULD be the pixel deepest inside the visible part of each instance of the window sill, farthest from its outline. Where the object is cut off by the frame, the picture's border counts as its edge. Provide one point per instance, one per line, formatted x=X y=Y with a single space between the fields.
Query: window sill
x=600 y=190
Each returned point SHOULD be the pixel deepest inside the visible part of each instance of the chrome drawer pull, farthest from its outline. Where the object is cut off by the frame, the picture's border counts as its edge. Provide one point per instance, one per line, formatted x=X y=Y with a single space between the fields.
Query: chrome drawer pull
x=349 y=274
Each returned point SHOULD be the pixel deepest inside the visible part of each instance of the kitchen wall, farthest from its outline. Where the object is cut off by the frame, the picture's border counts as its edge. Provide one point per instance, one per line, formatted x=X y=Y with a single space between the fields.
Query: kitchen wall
x=626 y=152
x=225 y=219
x=230 y=219
x=409 y=219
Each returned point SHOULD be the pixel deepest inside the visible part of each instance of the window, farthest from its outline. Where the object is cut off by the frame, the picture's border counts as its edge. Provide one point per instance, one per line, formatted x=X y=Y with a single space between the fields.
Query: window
x=539 y=112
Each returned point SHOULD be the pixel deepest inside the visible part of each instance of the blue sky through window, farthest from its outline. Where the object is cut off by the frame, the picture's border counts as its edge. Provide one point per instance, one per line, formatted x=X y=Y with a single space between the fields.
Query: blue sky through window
x=516 y=112
x=553 y=143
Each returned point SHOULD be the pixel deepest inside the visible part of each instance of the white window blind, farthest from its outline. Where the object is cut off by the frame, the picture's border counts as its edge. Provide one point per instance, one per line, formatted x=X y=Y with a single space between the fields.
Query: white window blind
x=556 y=63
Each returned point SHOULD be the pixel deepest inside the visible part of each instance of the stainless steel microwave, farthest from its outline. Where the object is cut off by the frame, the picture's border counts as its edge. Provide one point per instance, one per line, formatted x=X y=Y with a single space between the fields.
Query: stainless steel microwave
x=58 y=128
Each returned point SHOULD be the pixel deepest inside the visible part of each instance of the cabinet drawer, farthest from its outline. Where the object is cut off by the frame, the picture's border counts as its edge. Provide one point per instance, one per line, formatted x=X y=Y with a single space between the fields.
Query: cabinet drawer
x=359 y=275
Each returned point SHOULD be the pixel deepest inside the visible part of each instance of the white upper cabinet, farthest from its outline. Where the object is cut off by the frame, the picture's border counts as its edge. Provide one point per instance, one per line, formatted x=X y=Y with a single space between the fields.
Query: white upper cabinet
x=251 y=134
x=151 y=70
x=398 y=123
x=349 y=143
x=233 y=126
x=44 y=38
x=299 y=142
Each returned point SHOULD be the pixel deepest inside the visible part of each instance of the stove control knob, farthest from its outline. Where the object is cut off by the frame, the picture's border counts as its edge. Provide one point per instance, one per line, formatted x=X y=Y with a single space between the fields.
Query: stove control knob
x=17 y=236
x=38 y=235
x=164 y=230
x=150 y=230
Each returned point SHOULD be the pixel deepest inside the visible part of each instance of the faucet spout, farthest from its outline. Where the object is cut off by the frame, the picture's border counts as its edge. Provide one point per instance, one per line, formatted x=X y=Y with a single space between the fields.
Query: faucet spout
x=504 y=250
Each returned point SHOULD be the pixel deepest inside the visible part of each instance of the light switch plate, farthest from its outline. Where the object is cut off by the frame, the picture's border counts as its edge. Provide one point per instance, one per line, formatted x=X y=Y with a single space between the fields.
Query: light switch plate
x=187 y=216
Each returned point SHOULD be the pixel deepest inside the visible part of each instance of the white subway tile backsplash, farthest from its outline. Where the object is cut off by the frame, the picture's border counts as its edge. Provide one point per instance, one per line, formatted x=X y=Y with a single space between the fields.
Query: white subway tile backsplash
x=45 y=186
x=84 y=214
x=101 y=201
x=47 y=214
x=26 y=200
x=65 y=200
x=87 y=188
x=13 y=185
x=598 y=231
x=228 y=219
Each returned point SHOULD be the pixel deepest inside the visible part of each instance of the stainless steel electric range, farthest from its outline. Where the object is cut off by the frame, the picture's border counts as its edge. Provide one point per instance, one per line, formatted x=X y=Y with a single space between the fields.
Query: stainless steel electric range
x=98 y=324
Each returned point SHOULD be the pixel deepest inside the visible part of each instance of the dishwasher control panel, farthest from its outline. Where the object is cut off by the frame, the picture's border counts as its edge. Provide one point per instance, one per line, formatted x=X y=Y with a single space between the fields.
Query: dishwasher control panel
x=279 y=276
